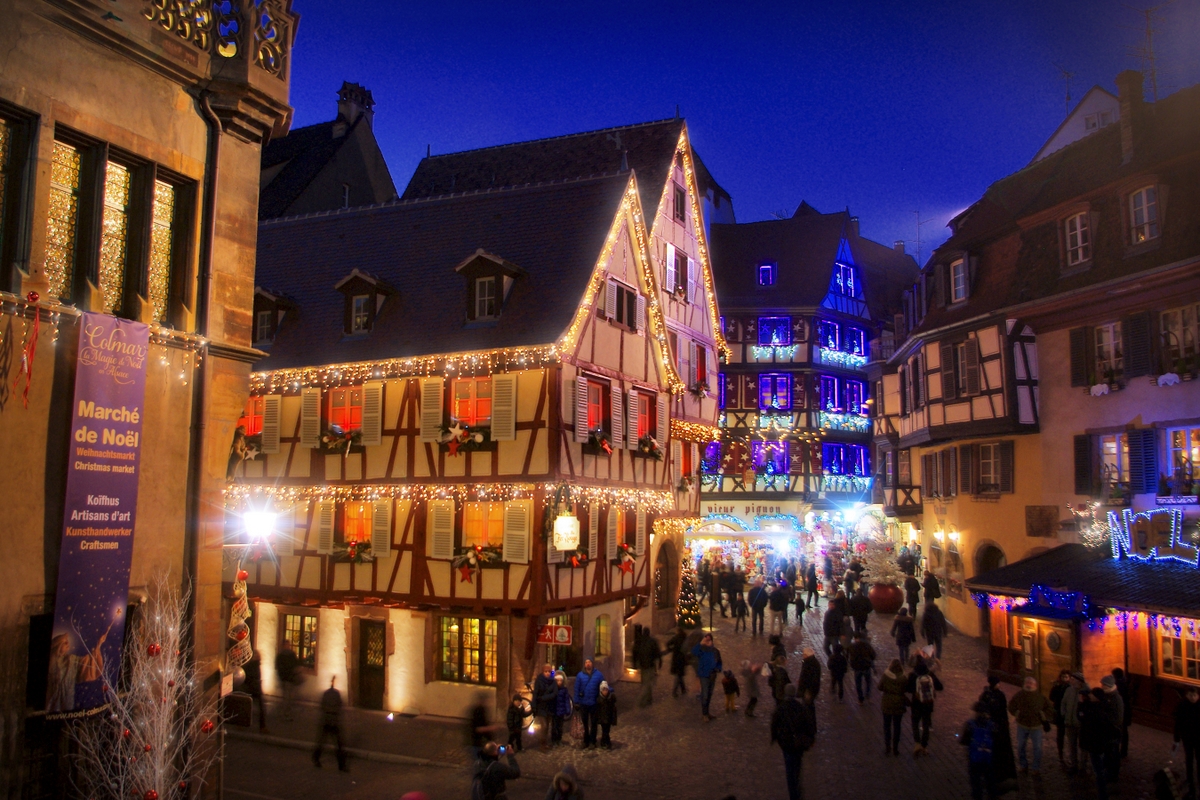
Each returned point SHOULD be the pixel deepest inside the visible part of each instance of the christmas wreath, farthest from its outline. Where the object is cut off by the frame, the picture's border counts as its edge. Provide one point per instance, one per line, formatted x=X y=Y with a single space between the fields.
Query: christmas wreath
x=353 y=552
x=699 y=390
x=625 y=558
x=649 y=447
x=599 y=439
x=339 y=440
x=685 y=484
x=460 y=438
x=470 y=559
x=576 y=558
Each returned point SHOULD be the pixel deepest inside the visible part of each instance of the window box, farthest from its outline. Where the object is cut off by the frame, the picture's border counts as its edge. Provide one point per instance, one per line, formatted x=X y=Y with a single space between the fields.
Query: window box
x=460 y=438
x=598 y=443
x=576 y=559
x=648 y=447
x=338 y=441
x=478 y=557
x=353 y=553
x=699 y=390
x=625 y=558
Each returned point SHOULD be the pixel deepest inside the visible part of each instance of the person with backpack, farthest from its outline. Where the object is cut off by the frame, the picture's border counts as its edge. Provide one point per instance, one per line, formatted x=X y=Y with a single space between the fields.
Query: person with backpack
x=893 y=704
x=933 y=589
x=922 y=687
x=862 y=661
x=758 y=605
x=794 y=729
x=587 y=691
x=977 y=736
x=491 y=776
x=904 y=633
x=933 y=626
x=1033 y=712
x=1097 y=735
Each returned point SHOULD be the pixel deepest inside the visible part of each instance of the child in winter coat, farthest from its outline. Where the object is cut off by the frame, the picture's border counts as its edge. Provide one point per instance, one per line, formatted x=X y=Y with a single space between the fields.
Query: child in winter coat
x=750 y=674
x=565 y=785
x=740 y=610
x=730 y=684
x=563 y=708
x=515 y=720
x=606 y=713
x=838 y=664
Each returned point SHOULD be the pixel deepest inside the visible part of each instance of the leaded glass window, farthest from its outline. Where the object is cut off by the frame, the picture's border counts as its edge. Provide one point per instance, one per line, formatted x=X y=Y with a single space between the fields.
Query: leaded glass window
x=162 y=232
x=468 y=650
x=114 y=236
x=63 y=218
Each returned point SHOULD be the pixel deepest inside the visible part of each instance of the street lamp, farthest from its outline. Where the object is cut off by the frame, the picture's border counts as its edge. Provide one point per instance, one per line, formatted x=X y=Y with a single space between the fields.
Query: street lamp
x=259 y=525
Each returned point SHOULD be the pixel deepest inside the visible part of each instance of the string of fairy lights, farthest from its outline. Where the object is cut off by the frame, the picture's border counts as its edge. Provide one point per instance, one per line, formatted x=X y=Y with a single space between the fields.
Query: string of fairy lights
x=689 y=174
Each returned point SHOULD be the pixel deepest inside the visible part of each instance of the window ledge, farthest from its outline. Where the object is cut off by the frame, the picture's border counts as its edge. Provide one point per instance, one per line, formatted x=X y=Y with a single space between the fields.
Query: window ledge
x=1141 y=248
x=489 y=322
x=1075 y=269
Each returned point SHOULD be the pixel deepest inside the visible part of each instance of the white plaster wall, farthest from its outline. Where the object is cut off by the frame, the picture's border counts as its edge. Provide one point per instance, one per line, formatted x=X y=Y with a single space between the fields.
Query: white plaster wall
x=331 y=653
x=266 y=639
x=613 y=666
x=406 y=664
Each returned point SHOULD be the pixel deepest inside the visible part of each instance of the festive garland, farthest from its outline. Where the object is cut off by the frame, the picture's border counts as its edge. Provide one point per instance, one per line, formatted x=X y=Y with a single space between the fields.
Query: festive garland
x=474 y=558
x=699 y=390
x=649 y=447
x=598 y=438
x=459 y=438
x=353 y=552
x=576 y=558
x=625 y=558
x=338 y=440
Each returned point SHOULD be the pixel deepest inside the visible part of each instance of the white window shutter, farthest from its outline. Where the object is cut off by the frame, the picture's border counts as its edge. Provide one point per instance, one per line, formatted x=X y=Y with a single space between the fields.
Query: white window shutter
x=381 y=528
x=504 y=408
x=431 y=409
x=593 y=531
x=640 y=536
x=553 y=554
x=631 y=420
x=610 y=299
x=581 y=409
x=283 y=541
x=669 y=282
x=610 y=541
x=693 y=362
x=310 y=417
x=372 y=413
x=641 y=313
x=517 y=514
x=676 y=462
x=617 y=413
x=441 y=529
x=323 y=522
x=693 y=280
x=685 y=361
x=272 y=406
x=664 y=421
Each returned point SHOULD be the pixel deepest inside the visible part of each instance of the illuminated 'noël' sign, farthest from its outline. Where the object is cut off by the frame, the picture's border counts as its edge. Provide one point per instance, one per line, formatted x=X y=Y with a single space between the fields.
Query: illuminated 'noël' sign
x=1151 y=535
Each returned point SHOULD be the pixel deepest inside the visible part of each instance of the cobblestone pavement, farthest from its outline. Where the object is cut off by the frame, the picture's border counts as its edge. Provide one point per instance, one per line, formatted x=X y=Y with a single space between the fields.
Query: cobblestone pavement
x=667 y=750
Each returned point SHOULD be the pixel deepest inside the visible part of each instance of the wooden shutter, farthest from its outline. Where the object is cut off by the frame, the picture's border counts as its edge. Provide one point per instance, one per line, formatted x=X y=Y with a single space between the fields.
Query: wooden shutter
x=948 y=383
x=1143 y=461
x=323 y=522
x=1138 y=338
x=973 y=367
x=1085 y=465
x=553 y=554
x=517 y=531
x=616 y=397
x=440 y=529
x=593 y=531
x=310 y=417
x=631 y=420
x=381 y=528
x=669 y=277
x=640 y=319
x=693 y=363
x=919 y=380
x=640 y=536
x=676 y=463
x=610 y=300
x=284 y=541
x=967 y=470
x=664 y=421
x=898 y=327
x=431 y=409
x=929 y=487
x=905 y=404
x=372 y=413
x=610 y=539
x=1081 y=360
x=693 y=280
x=272 y=405
x=1006 y=467
x=946 y=472
x=504 y=408
x=581 y=409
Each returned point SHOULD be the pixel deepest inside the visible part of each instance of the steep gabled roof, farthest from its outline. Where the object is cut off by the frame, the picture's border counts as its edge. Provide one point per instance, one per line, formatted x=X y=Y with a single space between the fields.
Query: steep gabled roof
x=300 y=156
x=647 y=148
x=554 y=232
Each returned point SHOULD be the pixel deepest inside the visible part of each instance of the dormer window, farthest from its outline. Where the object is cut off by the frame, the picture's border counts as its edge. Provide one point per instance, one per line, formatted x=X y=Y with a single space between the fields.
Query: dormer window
x=958 y=281
x=1143 y=215
x=485 y=297
x=264 y=327
x=680 y=203
x=270 y=309
x=766 y=274
x=364 y=297
x=360 y=320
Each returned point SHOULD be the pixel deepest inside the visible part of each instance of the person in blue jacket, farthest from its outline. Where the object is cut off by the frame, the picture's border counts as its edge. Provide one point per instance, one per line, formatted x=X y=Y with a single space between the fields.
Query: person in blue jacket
x=587 y=689
x=708 y=670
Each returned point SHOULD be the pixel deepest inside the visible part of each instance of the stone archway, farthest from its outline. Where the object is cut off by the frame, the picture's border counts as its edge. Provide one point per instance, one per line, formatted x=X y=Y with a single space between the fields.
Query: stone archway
x=666 y=576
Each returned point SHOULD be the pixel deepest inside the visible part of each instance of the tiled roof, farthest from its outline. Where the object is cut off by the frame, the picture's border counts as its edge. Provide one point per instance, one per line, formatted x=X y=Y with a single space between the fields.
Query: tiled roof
x=1164 y=131
x=1164 y=586
x=553 y=232
x=650 y=150
x=804 y=247
x=303 y=153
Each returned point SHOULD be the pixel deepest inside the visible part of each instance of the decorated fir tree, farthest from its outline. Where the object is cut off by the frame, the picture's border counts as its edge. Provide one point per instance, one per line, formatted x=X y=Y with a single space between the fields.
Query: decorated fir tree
x=880 y=563
x=688 y=615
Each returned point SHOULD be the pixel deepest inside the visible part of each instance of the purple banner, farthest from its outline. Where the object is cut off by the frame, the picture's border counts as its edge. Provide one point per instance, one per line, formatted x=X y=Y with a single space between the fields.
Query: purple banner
x=98 y=517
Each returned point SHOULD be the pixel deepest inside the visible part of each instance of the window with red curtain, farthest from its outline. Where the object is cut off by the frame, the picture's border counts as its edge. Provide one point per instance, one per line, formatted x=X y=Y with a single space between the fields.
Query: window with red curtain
x=356 y=522
x=595 y=405
x=472 y=400
x=252 y=416
x=345 y=407
x=645 y=415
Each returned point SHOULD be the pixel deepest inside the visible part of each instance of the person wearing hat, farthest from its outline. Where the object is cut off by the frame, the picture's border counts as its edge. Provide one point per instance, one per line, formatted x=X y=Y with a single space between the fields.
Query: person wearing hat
x=563 y=707
x=794 y=729
x=978 y=736
x=565 y=785
x=606 y=713
x=1004 y=764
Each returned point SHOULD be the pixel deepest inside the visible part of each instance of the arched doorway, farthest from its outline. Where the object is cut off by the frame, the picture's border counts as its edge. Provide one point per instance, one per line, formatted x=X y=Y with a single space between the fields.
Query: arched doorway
x=666 y=576
x=987 y=558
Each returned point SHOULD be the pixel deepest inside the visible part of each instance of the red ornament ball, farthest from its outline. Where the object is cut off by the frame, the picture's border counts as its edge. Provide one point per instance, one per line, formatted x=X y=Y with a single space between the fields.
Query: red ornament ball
x=33 y=297
x=154 y=649
x=207 y=726
x=128 y=733
x=148 y=748
x=150 y=795
x=242 y=634
x=183 y=786
x=242 y=575
x=170 y=683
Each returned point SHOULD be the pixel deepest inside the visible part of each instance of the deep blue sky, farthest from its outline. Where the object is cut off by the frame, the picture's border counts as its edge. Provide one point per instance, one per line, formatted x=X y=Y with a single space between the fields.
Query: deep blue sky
x=885 y=107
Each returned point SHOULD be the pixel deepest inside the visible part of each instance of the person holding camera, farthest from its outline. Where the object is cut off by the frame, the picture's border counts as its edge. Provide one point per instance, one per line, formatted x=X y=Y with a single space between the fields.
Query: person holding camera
x=491 y=777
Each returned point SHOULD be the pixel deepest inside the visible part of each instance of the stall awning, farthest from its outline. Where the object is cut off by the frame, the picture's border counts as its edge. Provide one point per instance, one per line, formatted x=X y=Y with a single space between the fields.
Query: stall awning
x=1161 y=586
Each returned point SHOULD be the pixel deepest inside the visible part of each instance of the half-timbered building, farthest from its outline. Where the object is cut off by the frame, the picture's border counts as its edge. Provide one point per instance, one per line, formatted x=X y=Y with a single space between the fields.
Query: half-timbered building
x=448 y=375
x=802 y=300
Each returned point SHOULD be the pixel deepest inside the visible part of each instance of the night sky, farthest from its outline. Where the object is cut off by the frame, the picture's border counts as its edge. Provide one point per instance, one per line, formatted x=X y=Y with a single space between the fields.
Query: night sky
x=883 y=107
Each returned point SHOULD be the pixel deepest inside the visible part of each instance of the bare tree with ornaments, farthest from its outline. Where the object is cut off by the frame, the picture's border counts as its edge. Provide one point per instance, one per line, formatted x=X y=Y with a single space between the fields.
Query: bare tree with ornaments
x=152 y=742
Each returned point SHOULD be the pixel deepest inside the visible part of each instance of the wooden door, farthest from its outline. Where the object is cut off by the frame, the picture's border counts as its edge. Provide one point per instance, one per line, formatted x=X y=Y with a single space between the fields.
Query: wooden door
x=372 y=663
x=1056 y=648
x=1027 y=640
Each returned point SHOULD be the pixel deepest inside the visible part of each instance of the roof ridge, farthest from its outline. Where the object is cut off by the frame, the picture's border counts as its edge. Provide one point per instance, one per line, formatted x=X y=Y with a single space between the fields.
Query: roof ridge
x=554 y=138
x=597 y=177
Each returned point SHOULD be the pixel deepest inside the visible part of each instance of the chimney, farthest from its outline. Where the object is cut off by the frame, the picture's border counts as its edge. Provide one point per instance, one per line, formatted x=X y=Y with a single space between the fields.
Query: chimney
x=854 y=225
x=1130 y=93
x=354 y=101
x=898 y=246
